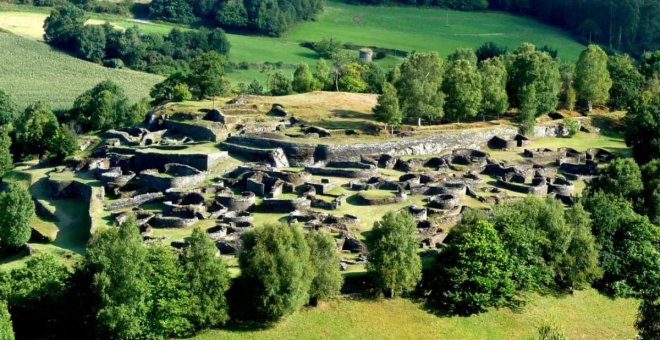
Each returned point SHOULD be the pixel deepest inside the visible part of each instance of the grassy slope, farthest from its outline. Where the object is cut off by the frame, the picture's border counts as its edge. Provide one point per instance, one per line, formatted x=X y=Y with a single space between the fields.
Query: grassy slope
x=585 y=315
x=33 y=71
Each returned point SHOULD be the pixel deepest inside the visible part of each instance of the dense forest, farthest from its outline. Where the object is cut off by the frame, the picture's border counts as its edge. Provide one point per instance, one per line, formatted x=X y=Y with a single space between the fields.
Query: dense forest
x=626 y=25
x=271 y=17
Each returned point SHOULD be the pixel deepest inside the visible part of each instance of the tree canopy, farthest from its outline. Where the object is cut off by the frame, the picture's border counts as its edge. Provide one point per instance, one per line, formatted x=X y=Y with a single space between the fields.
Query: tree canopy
x=592 y=78
x=16 y=212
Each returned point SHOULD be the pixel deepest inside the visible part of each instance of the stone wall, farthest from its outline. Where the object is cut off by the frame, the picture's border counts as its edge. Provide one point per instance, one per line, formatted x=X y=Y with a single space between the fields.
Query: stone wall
x=146 y=159
x=300 y=154
x=208 y=131
x=275 y=157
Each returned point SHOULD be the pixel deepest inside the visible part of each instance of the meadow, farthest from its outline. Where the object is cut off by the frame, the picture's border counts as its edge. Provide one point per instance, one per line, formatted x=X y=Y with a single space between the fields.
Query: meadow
x=583 y=315
x=33 y=71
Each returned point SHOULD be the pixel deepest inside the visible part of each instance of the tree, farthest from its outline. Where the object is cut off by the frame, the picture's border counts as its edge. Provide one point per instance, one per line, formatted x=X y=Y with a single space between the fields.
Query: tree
x=462 y=86
x=473 y=272
x=36 y=128
x=530 y=70
x=279 y=84
x=8 y=111
x=63 y=25
x=629 y=254
x=387 y=110
x=547 y=246
x=648 y=319
x=323 y=75
x=64 y=143
x=105 y=106
x=303 y=80
x=592 y=79
x=419 y=86
x=117 y=258
x=172 y=89
x=6 y=158
x=38 y=295
x=651 y=194
x=374 y=76
x=489 y=50
x=16 y=212
x=643 y=127
x=327 y=47
x=466 y=54
x=351 y=78
x=208 y=279
x=6 y=330
x=275 y=261
x=255 y=88
x=206 y=77
x=178 y=11
x=527 y=110
x=393 y=260
x=324 y=259
x=627 y=82
x=170 y=293
x=622 y=177
x=494 y=97
x=91 y=43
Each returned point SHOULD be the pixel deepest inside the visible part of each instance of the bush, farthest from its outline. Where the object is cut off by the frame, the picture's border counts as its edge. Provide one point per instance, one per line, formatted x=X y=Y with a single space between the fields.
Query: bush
x=572 y=126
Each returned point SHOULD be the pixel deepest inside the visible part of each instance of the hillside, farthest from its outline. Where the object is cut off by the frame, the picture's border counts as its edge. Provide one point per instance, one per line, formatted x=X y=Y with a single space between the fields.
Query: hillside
x=33 y=71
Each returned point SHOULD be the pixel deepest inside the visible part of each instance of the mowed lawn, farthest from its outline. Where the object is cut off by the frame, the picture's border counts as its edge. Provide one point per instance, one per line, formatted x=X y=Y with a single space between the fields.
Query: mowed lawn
x=31 y=71
x=584 y=315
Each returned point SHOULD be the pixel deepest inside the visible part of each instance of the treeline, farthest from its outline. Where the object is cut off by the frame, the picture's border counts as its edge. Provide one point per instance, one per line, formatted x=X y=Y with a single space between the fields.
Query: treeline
x=491 y=81
x=155 y=53
x=271 y=17
x=123 y=7
x=626 y=25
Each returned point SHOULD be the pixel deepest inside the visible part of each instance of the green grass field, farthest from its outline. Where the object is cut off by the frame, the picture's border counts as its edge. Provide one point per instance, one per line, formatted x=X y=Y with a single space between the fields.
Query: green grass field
x=33 y=71
x=584 y=315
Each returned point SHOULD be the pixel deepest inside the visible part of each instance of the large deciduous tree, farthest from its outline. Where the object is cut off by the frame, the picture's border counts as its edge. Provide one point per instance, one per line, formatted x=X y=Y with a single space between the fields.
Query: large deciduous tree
x=592 y=79
x=419 y=86
x=207 y=75
x=117 y=258
x=208 y=279
x=36 y=128
x=16 y=212
x=63 y=25
x=105 y=106
x=9 y=112
x=462 y=85
x=643 y=127
x=473 y=272
x=493 y=76
x=627 y=82
x=393 y=260
x=275 y=260
x=324 y=258
x=533 y=71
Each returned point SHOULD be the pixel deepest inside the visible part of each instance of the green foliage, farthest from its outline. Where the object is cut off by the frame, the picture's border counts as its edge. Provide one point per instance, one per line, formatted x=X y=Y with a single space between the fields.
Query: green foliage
x=387 y=110
x=103 y=107
x=473 y=272
x=592 y=79
x=466 y=54
x=16 y=212
x=36 y=128
x=489 y=50
x=548 y=248
x=179 y=11
x=629 y=254
x=172 y=89
x=8 y=111
x=643 y=127
x=6 y=158
x=351 y=79
x=37 y=295
x=572 y=126
x=462 y=86
x=622 y=177
x=117 y=258
x=651 y=194
x=627 y=82
x=255 y=88
x=92 y=43
x=64 y=143
x=374 y=76
x=419 y=86
x=325 y=260
x=527 y=110
x=208 y=279
x=494 y=97
x=303 y=80
x=650 y=64
x=327 y=47
x=393 y=260
x=532 y=71
x=648 y=319
x=207 y=76
x=323 y=75
x=275 y=259
x=6 y=330
x=279 y=84
x=63 y=25
x=170 y=293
